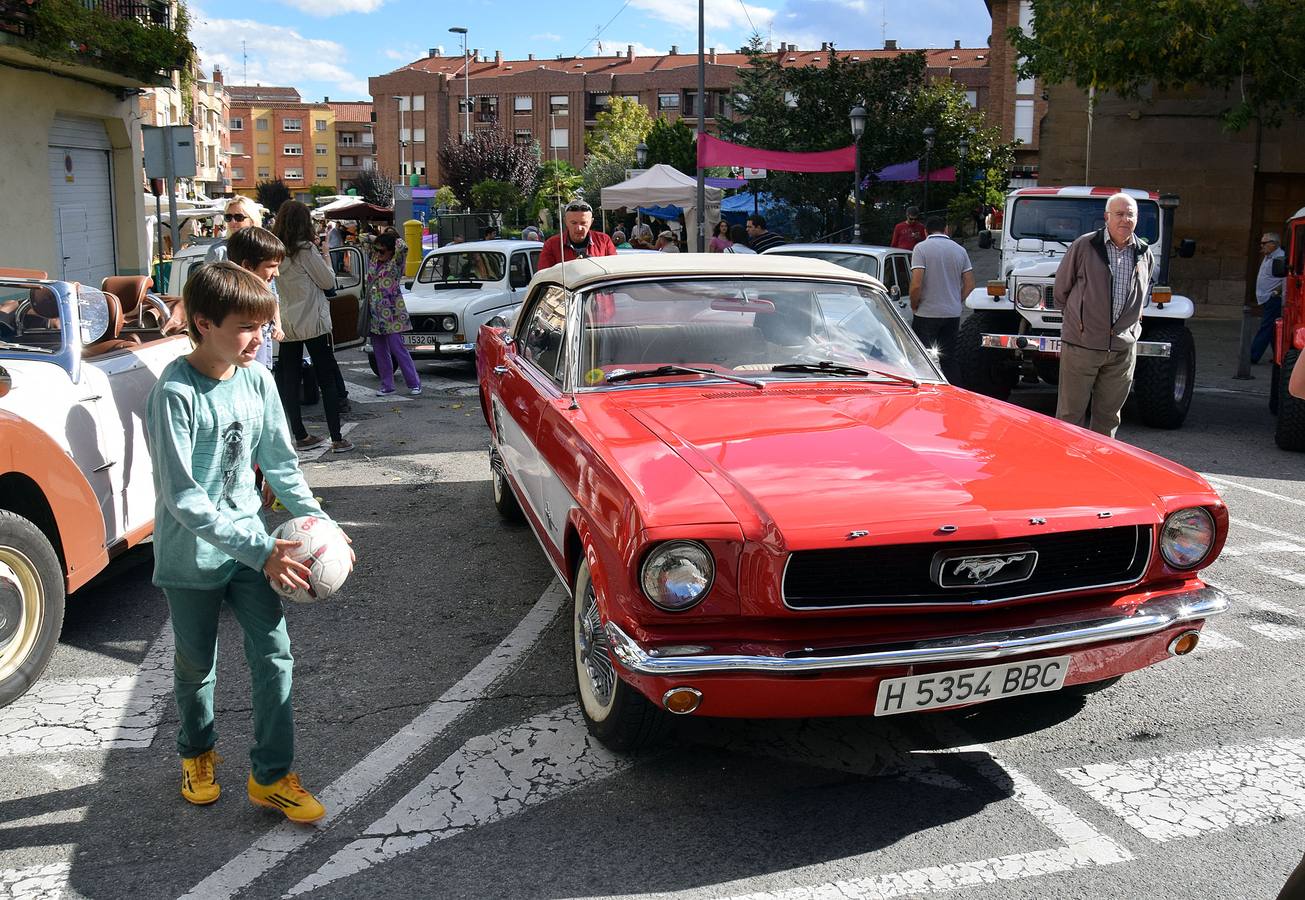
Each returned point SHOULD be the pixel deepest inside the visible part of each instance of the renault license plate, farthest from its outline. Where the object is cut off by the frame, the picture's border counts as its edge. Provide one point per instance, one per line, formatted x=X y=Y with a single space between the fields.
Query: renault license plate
x=425 y=340
x=959 y=686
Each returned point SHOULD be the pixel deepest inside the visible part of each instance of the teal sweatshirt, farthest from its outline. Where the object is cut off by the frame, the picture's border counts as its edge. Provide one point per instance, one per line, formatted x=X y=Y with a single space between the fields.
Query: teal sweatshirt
x=204 y=437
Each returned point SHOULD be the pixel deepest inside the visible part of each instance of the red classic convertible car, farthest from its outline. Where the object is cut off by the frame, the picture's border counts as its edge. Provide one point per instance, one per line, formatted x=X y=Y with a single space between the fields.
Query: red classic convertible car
x=768 y=502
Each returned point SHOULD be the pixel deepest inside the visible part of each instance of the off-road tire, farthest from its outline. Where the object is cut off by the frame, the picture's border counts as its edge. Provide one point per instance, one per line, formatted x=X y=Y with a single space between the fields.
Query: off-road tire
x=36 y=598
x=1048 y=368
x=505 y=501
x=1290 y=431
x=1163 y=386
x=1275 y=384
x=626 y=720
x=984 y=371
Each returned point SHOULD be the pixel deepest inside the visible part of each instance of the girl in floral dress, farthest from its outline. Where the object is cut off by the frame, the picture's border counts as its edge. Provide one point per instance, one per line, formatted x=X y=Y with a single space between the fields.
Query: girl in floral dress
x=388 y=317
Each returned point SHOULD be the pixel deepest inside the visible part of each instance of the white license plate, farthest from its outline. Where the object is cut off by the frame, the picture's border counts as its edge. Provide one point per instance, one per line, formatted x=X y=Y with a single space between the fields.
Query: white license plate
x=422 y=340
x=920 y=692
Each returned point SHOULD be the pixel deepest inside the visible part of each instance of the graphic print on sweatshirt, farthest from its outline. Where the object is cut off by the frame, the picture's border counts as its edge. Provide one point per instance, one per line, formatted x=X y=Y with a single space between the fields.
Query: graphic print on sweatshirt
x=233 y=441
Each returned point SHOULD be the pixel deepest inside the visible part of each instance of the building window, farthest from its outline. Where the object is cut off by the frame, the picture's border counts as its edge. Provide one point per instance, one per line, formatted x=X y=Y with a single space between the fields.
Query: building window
x=1024 y=121
x=319 y=124
x=292 y=124
x=558 y=138
x=264 y=172
x=419 y=166
x=369 y=164
x=418 y=135
x=348 y=160
x=238 y=174
x=523 y=138
x=264 y=149
x=523 y=104
x=346 y=140
x=596 y=103
x=405 y=134
x=668 y=101
x=634 y=97
x=405 y=104
x=292 y=150
x=559 y=105
x=972 y=98
x=791 y=99
x=367 y=138
x=237 y=148
x=260 y=124
x=488 y=110
x=321 y=171
x=418 y=102
x=238 y=124
x=294 y=175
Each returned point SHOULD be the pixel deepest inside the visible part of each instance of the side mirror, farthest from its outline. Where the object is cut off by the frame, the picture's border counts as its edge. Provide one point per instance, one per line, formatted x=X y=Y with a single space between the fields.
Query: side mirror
x=1279 y=267
x=517 y=280
x=895 y=292
x=985 y=240
x=1187 y=248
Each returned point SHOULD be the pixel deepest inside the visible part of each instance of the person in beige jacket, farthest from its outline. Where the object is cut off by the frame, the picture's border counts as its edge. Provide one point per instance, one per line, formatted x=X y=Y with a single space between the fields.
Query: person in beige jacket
x=1102 y=284
x=305 y=277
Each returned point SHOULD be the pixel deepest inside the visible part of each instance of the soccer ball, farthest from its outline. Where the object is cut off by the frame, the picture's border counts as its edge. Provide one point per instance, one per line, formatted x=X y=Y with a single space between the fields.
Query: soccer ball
x=323 y=549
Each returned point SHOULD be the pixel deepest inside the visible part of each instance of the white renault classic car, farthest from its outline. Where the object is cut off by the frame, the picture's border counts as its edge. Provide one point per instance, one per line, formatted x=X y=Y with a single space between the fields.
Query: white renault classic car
x=891 y=265
x=76 y=487
x=461 y=287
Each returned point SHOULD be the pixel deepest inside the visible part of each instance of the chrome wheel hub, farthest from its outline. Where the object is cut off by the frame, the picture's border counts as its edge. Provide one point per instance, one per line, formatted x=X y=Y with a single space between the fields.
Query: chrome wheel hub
x=22 y=602
x=593 y=649
x=11 y=605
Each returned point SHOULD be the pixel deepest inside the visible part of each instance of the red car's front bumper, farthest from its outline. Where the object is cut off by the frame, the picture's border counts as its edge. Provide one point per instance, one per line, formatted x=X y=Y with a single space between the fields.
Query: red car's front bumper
x=763 y=681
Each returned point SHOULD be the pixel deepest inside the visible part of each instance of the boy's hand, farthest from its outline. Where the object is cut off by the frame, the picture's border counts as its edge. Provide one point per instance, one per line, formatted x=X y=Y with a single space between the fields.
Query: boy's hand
x=353 y=557
x=282 y=568
x=269 y=496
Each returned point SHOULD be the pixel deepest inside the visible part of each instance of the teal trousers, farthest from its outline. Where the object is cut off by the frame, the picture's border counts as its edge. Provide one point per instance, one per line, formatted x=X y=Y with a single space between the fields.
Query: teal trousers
x=267 y=649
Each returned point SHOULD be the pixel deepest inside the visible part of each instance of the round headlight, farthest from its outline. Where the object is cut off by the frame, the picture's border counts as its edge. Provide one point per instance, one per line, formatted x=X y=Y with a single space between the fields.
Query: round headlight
x=448 y=323
x=677 y=574
x=1029 y=295
x=1187 y=537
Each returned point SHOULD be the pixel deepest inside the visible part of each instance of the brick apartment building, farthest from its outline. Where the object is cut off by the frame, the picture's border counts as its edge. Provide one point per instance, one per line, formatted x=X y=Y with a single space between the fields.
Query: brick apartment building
x=207 y=115
x=274 y=134
x=555 y=101
x=354 y=141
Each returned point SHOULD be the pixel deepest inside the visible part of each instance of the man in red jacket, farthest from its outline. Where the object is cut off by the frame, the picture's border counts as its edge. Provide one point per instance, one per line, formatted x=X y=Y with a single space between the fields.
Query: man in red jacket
x=577 y=241
x=910 y=232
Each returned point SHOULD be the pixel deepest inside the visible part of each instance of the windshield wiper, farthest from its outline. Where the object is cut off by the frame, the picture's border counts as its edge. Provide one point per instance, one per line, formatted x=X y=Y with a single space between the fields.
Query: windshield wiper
x=9 y=345
x=662 y=371
x=824 y=367
x=895 y=377
x=1046 y=237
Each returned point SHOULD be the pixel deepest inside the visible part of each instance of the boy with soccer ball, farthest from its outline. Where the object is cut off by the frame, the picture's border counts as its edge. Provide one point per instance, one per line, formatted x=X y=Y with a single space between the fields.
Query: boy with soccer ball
x=211 y=417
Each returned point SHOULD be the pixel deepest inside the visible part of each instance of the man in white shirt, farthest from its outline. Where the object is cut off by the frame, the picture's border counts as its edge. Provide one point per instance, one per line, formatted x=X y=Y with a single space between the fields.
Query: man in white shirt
x=941 y=277
x=1268 y=294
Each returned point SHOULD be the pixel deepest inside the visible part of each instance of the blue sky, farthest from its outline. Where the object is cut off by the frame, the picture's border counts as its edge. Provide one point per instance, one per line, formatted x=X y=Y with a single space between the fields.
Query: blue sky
x=330 y=47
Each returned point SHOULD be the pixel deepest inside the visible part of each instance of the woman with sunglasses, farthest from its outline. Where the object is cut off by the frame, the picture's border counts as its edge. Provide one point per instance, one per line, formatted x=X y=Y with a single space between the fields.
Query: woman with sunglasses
x=241 y=212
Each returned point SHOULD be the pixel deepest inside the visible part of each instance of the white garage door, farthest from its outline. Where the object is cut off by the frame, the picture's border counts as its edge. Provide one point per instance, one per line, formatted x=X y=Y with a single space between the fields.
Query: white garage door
x=81 y=189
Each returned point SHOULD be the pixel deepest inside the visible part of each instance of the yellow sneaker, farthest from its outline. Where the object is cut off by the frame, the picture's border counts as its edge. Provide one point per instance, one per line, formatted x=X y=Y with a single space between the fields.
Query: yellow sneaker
x=288 y=796
x=198 y=778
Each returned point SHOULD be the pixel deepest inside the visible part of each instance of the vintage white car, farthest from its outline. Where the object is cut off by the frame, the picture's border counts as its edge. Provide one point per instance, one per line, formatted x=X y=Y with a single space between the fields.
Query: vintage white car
x=461 y=287
x=891 y=265
x=76 y=487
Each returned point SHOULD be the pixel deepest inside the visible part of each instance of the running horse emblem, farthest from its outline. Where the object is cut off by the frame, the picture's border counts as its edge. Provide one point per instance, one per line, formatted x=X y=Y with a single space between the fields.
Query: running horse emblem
x=980 y=569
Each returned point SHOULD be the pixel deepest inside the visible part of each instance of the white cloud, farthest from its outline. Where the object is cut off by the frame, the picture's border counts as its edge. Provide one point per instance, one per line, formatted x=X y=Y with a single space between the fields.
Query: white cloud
x=323 y=9
x=719 y=15
x=276 y=55
x=406 y=54
x=613 y=46
x=546 y=36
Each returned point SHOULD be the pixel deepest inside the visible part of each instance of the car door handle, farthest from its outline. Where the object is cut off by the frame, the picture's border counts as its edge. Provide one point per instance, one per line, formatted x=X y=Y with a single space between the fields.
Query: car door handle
x=500 y=370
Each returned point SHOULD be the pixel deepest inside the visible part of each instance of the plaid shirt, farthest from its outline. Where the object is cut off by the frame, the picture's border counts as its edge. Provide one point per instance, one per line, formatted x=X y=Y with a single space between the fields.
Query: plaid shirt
x=1122 y=264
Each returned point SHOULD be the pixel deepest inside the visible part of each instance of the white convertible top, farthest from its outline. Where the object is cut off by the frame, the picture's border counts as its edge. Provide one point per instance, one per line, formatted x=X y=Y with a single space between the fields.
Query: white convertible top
x=582 y=272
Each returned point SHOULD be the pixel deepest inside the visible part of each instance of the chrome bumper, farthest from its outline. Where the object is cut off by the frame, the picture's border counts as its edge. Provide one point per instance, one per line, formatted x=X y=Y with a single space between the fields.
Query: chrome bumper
x=1149 y=618
x=1041 y=343
x=441 y=348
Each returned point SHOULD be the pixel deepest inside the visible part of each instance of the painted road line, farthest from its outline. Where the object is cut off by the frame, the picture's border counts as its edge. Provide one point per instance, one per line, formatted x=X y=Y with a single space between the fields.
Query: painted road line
x=490 y=778
x=1216 y=640
x=1265 y=529
x=377 y=767
x=361 y=393
x=1249 y=599
x=62 y=714
x=1263 y=547
x=1220 y=481
x=46 y=882
x=1084 y=846
x=1282 y=634
x=1289 y=575
x=314 y=453
x=1207 y=790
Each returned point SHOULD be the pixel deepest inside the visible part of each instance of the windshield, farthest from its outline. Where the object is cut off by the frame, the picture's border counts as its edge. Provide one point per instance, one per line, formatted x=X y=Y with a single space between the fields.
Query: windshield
x=1065 y=218
x=857 y=262
x=477 y=266
x=745 y=326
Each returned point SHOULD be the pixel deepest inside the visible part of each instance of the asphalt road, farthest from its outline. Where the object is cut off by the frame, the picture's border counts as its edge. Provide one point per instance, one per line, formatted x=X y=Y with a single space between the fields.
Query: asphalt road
x=435 y=717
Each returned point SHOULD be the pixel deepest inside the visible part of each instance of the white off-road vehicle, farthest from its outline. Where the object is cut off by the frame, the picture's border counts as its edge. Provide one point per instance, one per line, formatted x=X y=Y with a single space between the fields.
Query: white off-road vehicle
x=1013 y=329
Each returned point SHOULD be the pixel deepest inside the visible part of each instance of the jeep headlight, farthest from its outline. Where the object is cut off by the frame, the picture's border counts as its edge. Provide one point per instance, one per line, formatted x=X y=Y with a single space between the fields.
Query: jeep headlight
x=1186 y=537
x=448 y=323
x=677 y=574
x=1029 y=296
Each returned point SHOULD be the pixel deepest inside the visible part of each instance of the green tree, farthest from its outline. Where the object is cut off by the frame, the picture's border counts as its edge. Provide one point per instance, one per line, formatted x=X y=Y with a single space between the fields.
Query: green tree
x=600 y=172
x=559 y=183
x=618 y=130
x=672 y=144
x=322 y=190
x=488 y=155
x=375 y=187
x=1253 y=50
x=271 y=194
x=500 y=196
x=445 y=198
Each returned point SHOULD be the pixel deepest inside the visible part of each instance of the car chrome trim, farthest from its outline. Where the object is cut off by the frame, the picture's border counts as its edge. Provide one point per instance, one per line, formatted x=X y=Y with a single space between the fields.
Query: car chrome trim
x=961 y=604
x=456 y=348
x=1151 y=617
x=1047 y=344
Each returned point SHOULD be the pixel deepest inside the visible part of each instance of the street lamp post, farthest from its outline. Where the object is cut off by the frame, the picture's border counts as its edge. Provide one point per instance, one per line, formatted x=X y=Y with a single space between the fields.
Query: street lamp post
x=928 y=149
x=398 y=132
x=641 y=154
x=466 y=77
x=858 y=117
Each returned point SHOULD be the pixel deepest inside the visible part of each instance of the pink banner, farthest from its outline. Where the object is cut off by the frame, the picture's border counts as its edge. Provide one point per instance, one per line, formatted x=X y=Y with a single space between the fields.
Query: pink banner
x=713 y=151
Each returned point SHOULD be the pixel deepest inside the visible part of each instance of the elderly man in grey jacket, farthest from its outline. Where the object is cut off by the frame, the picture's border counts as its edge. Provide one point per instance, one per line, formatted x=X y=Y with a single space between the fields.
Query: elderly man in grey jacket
x=1102 y=284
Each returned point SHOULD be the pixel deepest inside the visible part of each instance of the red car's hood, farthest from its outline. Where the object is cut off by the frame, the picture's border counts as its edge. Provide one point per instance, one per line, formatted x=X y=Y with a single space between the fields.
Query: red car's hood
x=816 y=462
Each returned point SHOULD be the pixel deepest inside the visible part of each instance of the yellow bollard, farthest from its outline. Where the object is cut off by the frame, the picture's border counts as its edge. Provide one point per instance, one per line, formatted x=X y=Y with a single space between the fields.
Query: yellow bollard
x=412 y=237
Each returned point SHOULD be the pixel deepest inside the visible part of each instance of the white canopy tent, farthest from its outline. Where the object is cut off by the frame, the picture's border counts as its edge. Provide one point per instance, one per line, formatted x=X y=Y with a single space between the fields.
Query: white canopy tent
x=663 y=185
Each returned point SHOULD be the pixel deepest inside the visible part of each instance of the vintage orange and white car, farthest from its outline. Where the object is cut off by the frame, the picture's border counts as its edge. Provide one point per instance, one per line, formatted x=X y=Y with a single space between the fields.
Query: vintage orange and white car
x=767 y=502
x=76 y=367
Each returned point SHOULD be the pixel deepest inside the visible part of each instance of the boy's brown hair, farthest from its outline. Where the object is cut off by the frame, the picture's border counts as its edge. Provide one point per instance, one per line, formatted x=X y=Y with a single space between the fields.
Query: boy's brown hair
x=222 y=289
x=253 y=246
